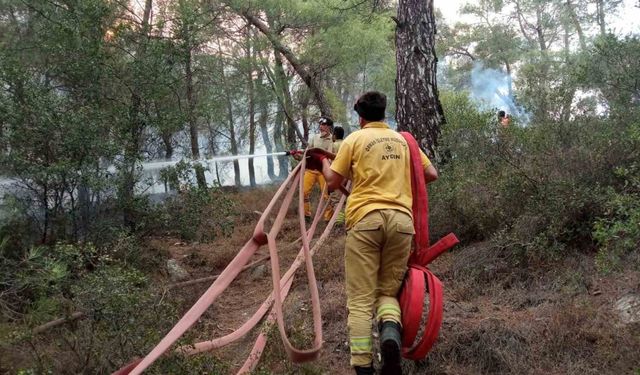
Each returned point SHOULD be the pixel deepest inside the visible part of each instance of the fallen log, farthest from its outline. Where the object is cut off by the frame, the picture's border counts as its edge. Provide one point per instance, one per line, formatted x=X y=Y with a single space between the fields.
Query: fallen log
x=54 y=323
x=211 y=278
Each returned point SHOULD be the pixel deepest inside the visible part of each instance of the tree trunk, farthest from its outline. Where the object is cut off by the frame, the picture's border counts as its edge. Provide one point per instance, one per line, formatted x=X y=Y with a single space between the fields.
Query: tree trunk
x=264 y=130
x=212 y=148
x=600 y=16
x=507 y=67
x=278 y=141
x=234 y=144
x=364 y=76
x=45 y=205
x=231 y=123
x=168 y=145
x=232 y=138
x=165 y=134
x=418 y=107
x=2 y=142
x=84 y=203
x=576 y=24
x=282 y=84
x=252 y=107
x=304 y=114
x=134 y=134
x=193 y=126
x=540 y=32
x=522 y=21
x=218 y=175
x=570 y=90
x=344 y=94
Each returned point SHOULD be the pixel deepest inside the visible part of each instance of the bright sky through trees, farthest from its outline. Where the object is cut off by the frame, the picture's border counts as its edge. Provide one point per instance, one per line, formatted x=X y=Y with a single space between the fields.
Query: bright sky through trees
x=626 y=21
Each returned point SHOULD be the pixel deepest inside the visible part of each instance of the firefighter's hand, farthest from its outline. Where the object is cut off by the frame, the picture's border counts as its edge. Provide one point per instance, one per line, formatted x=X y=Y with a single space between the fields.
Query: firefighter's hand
x=315 y=156
x=327 y=154
x=293 y=152
x=296 y=154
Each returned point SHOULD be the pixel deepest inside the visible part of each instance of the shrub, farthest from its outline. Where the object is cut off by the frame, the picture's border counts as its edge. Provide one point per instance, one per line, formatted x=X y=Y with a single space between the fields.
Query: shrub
x=538 y=188
x=37 y=282
x=198 y=214
x=618 y=231
x=125 y=317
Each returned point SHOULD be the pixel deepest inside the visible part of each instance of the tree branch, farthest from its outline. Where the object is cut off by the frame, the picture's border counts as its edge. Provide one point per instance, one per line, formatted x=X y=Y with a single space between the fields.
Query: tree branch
x=310 y=80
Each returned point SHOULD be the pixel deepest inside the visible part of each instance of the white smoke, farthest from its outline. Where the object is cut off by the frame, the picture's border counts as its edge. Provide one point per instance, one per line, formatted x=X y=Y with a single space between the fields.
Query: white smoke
x=491 y=89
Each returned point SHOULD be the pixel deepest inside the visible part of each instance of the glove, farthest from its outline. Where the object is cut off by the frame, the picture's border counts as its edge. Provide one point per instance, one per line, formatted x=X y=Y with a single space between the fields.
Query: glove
x=315 y=156
x=294 y=152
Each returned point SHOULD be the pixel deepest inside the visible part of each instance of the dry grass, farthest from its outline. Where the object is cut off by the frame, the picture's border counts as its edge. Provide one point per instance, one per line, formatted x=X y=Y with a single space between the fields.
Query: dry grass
x=502 y=316
x=246 y=293
x=558 y=320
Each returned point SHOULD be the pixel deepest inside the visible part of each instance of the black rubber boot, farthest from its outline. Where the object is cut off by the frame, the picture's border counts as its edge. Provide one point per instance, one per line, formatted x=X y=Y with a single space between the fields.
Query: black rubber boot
x=364 y=370
x=390 y=346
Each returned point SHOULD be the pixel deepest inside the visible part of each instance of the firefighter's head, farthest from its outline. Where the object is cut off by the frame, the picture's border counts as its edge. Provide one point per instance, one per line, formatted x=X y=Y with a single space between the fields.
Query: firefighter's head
x=326 y=125
x=370 y=107
x=338 y=133
x=505 y=121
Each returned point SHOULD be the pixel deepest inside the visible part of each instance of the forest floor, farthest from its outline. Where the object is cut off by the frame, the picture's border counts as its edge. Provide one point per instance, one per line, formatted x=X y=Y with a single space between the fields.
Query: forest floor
x=557 y=317
x=503 y=314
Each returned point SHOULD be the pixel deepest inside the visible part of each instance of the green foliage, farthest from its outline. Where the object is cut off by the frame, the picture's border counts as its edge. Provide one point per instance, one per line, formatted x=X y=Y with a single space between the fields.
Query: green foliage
x=198 y=214
x=538 y=190
x=125 y=316
x=334 y=47
x=337 y=107
x=617 y=237
x=111 y=293
x=55 y=130
x=467 y=147
x=125 y=313
x=38 y=280
x=177 y=364
x=31 y=371
x=275 y=353
x=125 y=248
x=179 y=175
x=617 y=232
x=17 y=232
x=610 y=67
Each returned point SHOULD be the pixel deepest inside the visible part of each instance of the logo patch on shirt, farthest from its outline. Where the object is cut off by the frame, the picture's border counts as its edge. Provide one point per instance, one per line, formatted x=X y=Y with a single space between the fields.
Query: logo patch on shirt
x=389 y=149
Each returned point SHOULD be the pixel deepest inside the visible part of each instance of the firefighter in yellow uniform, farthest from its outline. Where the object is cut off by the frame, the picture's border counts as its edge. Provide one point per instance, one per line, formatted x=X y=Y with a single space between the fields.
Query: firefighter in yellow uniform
x=380 y=229
x=338 y=138
x=323 y=140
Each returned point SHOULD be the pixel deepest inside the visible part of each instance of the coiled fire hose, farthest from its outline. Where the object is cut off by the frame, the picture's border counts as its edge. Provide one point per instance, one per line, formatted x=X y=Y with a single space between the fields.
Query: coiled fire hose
x=413 y=290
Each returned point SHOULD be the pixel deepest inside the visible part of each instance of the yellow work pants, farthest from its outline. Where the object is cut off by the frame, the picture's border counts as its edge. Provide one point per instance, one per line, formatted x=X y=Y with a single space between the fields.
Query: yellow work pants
x=310 y=179
x=376 y=253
